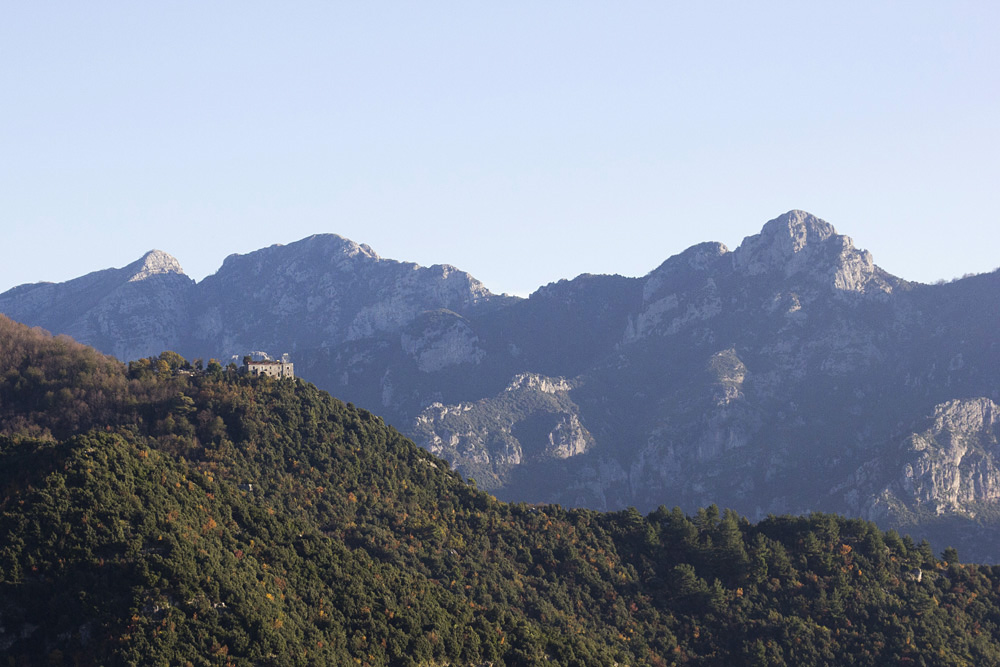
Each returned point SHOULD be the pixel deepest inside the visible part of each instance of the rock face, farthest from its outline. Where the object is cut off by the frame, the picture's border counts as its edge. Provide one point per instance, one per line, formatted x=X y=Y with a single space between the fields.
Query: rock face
x=532 y=420
x=952 y=466
x=791 y=374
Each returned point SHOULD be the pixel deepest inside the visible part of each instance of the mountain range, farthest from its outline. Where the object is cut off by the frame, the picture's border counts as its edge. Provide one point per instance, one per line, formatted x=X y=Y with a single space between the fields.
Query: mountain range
x=789 y=375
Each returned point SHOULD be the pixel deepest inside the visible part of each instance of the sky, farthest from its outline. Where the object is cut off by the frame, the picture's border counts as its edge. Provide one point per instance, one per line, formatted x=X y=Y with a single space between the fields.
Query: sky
x=522 y=142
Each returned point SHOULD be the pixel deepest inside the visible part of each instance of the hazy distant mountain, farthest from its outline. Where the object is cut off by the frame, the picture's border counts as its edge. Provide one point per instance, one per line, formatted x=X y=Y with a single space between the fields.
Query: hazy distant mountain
x=132 y=312
x=787 y=375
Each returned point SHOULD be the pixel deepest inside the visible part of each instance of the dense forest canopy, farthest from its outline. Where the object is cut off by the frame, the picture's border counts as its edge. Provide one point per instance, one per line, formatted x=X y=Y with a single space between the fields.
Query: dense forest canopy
x=164 y=513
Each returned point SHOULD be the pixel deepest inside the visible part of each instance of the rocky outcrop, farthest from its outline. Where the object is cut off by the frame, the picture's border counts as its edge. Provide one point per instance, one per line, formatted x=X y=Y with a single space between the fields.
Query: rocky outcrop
x=951 y=466
x=534 y=418
x=153 y=263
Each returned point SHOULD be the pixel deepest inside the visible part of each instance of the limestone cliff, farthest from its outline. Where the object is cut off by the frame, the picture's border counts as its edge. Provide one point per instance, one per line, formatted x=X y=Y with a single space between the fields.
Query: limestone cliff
x=532 y=419
x=953 y=465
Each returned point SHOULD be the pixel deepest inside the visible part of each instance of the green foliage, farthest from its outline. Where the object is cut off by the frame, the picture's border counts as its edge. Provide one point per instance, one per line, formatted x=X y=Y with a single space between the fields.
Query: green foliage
x=206 y=518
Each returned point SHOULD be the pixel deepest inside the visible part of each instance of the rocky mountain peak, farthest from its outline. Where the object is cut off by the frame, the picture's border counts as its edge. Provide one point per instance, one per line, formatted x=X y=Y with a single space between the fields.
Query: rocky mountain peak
x=699 y=257
x=336 y=244
x=795 y=229
x=326 y=250
x=785 y=243
x=154 y=262
x=800 y=243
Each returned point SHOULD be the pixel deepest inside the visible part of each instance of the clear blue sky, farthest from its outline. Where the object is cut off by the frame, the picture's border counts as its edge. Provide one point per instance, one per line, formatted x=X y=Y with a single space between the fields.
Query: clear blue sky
x=520 y=141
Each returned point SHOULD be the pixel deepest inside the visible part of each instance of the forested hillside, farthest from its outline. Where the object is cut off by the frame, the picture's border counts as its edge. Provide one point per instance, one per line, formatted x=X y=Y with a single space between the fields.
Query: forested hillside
x=157 y=513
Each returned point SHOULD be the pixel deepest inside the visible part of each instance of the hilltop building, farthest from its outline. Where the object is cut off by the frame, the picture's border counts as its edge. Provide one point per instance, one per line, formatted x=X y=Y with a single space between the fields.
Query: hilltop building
x=269 y=367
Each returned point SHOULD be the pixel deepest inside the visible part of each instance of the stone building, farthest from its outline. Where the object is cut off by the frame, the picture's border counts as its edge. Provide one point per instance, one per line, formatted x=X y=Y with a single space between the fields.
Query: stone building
x=275 y=369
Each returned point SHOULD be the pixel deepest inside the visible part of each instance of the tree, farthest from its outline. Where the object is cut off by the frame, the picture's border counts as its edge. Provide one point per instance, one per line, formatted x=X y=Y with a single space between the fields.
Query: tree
x=214 y=369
